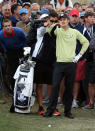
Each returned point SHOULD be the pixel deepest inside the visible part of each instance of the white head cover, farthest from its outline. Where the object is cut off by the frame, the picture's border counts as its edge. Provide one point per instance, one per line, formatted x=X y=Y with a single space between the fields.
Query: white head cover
x=43 y=16
x=1 y=1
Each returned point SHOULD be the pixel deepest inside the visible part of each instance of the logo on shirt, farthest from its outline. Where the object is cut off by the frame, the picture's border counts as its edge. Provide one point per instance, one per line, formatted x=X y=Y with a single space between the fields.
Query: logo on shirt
x=71 y=36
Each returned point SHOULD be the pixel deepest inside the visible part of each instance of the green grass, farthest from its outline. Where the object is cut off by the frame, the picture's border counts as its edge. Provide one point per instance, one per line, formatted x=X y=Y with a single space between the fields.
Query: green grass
x=84 y=120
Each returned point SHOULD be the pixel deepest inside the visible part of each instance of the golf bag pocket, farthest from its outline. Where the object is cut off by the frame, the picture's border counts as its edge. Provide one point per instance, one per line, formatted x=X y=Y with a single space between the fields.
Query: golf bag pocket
x=23 y=87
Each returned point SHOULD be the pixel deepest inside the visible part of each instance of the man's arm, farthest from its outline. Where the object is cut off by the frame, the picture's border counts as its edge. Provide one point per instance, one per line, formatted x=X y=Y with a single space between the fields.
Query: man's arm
x=23 y=37
x=83 y=41
x=2 y=46
x=85 y=44
x=92 y=43
x=51 y=29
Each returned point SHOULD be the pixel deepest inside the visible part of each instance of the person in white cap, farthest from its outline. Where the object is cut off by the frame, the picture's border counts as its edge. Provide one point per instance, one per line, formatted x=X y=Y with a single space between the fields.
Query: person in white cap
x=1 y=4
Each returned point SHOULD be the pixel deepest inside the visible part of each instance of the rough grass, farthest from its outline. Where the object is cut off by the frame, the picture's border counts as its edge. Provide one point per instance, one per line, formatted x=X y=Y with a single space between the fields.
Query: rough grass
x=84 y=120
x=83 y=1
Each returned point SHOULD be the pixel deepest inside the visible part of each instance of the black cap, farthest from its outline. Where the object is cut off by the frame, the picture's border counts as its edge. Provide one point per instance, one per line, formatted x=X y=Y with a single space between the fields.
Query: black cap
x=26 y=3
x=77 y=2
x=62 y=15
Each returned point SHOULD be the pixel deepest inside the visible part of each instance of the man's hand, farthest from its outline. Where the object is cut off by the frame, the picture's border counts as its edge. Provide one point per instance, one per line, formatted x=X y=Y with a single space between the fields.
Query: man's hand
x=47 y=23
x=77 y=57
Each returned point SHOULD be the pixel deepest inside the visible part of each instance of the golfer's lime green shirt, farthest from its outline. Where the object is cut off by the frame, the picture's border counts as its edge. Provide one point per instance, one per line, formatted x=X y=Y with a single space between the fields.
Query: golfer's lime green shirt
x=66 y=41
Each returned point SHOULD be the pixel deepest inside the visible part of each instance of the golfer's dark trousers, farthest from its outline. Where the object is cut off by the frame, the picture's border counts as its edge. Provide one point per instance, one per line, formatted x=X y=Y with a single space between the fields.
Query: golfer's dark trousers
x=68 y=70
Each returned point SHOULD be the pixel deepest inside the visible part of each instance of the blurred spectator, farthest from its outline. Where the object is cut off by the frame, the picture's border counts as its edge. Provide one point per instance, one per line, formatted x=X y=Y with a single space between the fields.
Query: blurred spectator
x=6 y=11
x=77 y=5
x=12 y=41
x=25 y=23
x=61 y=4
x=1 y=4
x=82 y=17
x=64 y=66
x=47 y=6
x=27 y=5
x=46 y=58
x=80 y=72
x=1 y=16
x=60 y=10
x=67 y=10
x=1 y=19
x=92 y=3
x=40 y=77
x=12 y=2
x=35 y=7
x=74 y=18
x=84 y=6
x=89 y=29
x=44 y=11
x=89 y=8
x=15 y=13
x=94 y=20
x=92 y=76
x=23 y=1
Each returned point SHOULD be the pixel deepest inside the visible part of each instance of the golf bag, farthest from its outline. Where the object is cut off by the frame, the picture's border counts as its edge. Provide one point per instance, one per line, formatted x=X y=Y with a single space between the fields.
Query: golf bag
x=23 y=90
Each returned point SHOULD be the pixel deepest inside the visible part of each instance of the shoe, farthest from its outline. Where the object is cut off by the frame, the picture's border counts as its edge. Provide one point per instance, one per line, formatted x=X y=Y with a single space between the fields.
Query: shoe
x=89 y=106
x=41 y=111
x=74 y=104
x=2 y=102
x=56 y=113
x=46 y=102
x=12 y=109
x=48 y=114
x=69 y=115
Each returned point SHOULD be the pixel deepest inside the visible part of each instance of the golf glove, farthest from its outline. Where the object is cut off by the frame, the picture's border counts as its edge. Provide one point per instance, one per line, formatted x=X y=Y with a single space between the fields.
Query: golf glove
x=26 y=50
x=77 y=57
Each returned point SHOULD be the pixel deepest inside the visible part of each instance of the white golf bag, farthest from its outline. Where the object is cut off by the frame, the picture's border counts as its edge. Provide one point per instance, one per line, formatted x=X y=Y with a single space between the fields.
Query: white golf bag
x=23 y=90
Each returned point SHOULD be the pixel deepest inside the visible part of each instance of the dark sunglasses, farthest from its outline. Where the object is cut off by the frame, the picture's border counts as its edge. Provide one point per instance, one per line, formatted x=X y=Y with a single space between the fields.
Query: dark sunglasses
x=54 y=21
x=67 y=11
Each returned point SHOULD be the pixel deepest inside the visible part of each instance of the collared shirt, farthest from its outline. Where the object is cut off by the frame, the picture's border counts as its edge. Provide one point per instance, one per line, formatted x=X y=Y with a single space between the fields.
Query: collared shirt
x=89 y=30
x=9 y=35
x=66 y=43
